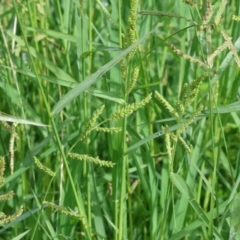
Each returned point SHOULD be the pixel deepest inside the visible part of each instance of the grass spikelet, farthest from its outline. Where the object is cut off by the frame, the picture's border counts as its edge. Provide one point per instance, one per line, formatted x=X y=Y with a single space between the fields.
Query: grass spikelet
x=216 y=52
x=189 y=121
x=166 y=104
x=11 y=146
x=124 y=112
x=173 y=137
x=2 y=169
x=123 y=68
x=180 y=107
x=189 y=2
x=91 y=123
x=182 y=141
x=96 y=160
x=133 y=80
x=220 y=12
x=208 y=41
x=165 y=14
x=184 y=90
x=12 y=130
x=133 y=186
x=130 y=36
x=231 y=47
x=44 y=168
x=107 y=13
x=208 y=13
x=6 y=196
x=7 y=126
x=196 y=83
x=109 y=130
x=226 y=36
x=195 y=87
x=236 y=18
x=6 y=219
x=62 y=210
x=187 y=57
x=168 y=148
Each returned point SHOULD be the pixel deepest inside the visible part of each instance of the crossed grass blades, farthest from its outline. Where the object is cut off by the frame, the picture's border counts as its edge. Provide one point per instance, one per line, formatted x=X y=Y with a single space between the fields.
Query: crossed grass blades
x=208 y=23
x=92 y=126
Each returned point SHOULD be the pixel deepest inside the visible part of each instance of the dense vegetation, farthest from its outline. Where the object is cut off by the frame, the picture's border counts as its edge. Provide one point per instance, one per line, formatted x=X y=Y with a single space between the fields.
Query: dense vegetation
x=120 y=119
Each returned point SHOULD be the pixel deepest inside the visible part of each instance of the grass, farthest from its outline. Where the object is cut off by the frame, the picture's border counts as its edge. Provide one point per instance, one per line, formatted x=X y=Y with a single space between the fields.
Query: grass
x=120 y=120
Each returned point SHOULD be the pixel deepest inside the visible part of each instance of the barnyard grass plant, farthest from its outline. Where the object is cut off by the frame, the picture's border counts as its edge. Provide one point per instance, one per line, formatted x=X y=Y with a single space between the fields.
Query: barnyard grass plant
x=120 y=120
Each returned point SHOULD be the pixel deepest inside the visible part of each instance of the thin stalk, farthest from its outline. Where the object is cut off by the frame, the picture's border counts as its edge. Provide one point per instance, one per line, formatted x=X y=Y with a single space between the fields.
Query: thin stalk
x=87 y=99
x=122 y=202
x=117 y=171
x=212 y=200
x=130 y=209
x=120 y=23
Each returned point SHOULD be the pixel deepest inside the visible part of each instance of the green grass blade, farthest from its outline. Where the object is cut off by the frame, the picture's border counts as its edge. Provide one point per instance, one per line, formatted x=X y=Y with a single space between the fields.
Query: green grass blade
x=20 y=236
x=7 y=118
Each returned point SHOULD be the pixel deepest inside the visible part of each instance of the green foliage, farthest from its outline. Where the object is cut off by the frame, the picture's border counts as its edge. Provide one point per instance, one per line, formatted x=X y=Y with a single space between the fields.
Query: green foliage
x=150 y=86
